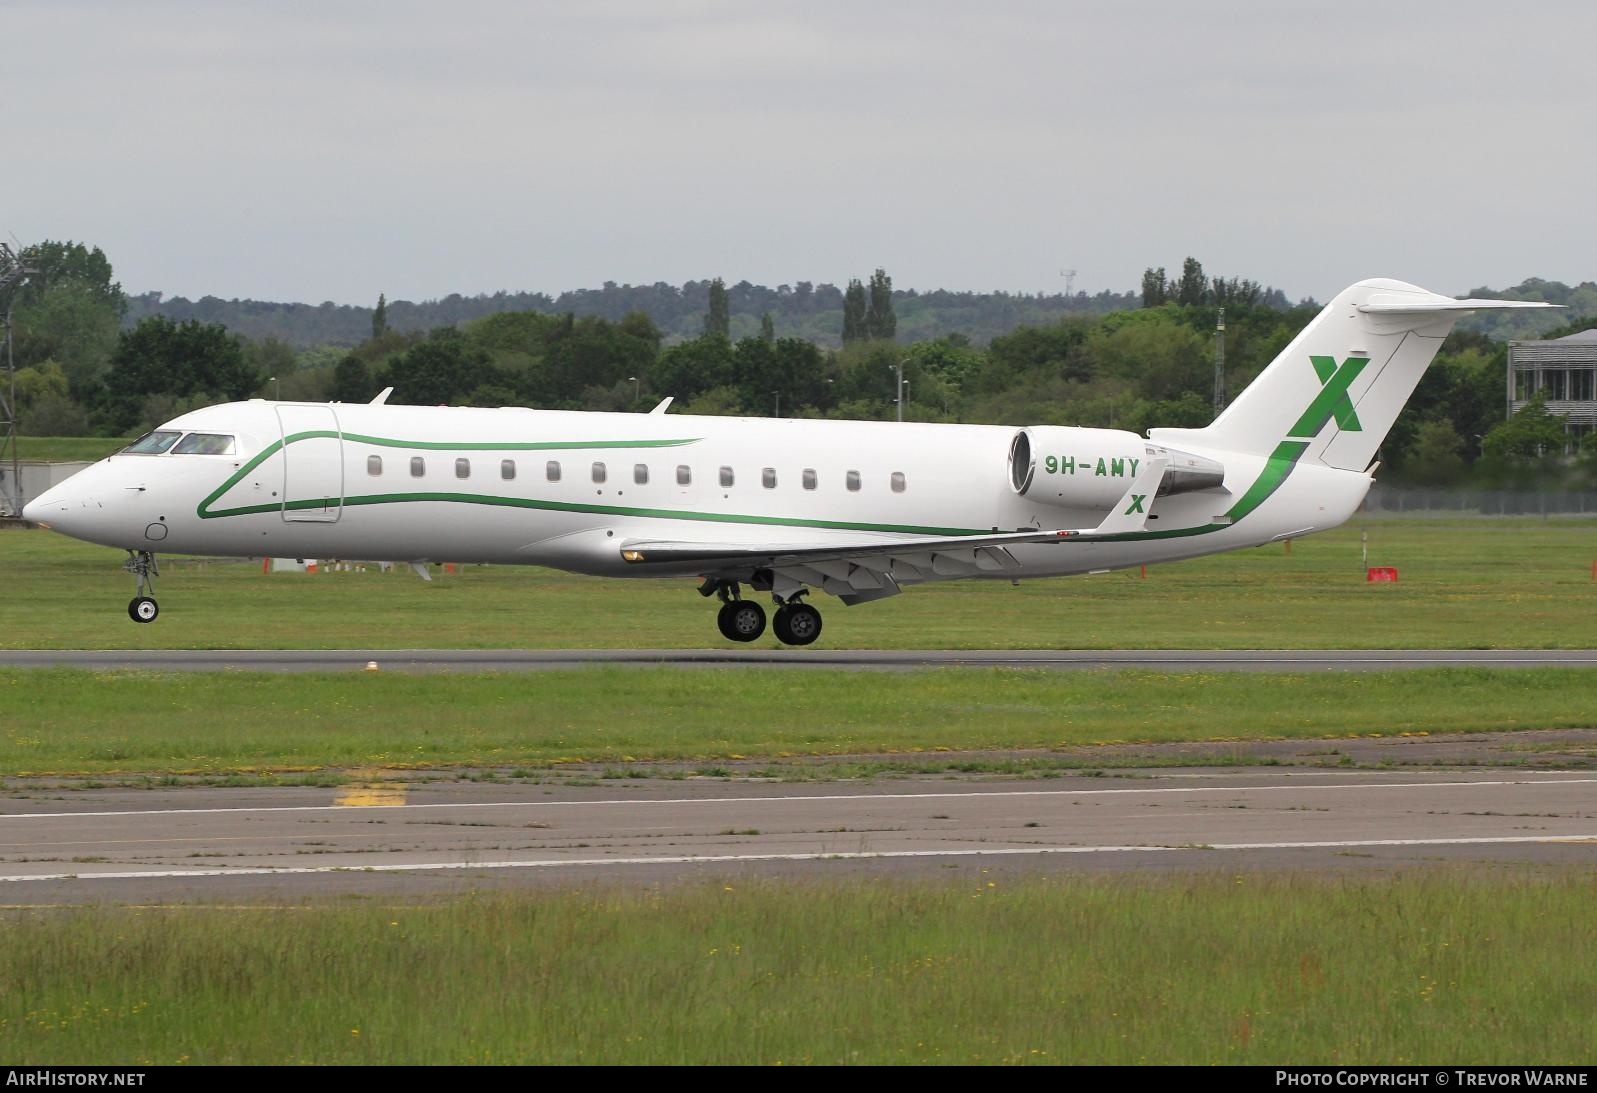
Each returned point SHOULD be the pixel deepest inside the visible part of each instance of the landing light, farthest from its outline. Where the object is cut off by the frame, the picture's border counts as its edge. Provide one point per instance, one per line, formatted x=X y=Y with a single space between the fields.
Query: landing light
x=632 y=555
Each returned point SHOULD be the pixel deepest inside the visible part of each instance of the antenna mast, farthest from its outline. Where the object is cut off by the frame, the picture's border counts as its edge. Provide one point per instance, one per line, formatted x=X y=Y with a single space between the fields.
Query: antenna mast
x=12 y=275
x=1219 y=363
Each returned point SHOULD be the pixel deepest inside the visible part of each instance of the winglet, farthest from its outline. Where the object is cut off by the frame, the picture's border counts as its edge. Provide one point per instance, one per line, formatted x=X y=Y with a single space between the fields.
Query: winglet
x=1131 y=511
x=382 y=397
x=660 y=409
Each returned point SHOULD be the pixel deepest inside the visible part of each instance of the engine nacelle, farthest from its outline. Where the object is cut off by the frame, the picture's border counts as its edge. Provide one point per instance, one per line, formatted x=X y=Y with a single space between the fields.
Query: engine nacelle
x=1075 y=468
x=1093 y=468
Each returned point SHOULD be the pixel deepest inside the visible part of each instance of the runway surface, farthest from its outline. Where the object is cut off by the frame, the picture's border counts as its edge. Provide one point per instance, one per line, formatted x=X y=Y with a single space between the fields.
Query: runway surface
x=392 y=839
x=513 y=660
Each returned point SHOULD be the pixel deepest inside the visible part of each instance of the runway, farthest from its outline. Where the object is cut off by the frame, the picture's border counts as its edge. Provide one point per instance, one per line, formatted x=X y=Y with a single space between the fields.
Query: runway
x=518 y=660
x=393 y=838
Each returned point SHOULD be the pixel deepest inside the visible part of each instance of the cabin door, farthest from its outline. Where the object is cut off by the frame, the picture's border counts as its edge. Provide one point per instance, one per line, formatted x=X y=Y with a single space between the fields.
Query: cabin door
x=313 y=464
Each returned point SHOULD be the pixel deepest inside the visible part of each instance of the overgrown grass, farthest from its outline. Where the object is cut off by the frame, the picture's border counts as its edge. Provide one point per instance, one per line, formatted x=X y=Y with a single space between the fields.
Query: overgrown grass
x=1425 y=968
x=69 y=721
x=1464 y=584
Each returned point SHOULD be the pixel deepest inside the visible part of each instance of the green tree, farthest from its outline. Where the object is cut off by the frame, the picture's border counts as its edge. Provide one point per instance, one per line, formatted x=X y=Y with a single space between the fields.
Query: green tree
x=70 y=323
x=1057 y=350
x=1153 y=287
x=718 y=320
x=54 y=262
x=854 y=328
x=271 y=357
x=380 y=317
x=693 y=368
x=787 y=371
x=69 y=310
x=174 y=363
x=1436 y=456
x=442 y=370
x=580 y=354
x=1192 y=290
x=1163 y=357
x=1527 y=449
x=38 y=381
x=1531 y=434
x=880 y=322
x=352 y=381
x=44 y=407
x=767 y=329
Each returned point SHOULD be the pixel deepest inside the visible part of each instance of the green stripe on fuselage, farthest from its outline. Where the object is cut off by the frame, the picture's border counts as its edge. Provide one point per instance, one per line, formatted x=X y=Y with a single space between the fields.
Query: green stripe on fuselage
x=1277 y=468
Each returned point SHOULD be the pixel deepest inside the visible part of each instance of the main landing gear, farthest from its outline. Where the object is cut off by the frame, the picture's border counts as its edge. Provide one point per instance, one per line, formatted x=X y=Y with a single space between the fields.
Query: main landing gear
x=795 y=622
x=141 y=563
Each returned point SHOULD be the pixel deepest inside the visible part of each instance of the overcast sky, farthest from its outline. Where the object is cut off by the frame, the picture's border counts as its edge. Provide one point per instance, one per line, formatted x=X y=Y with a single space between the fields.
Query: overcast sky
x=330 y=150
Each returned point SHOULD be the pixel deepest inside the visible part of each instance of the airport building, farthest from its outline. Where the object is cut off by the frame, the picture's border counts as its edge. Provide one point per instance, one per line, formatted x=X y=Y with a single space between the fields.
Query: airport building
x=1564 y=372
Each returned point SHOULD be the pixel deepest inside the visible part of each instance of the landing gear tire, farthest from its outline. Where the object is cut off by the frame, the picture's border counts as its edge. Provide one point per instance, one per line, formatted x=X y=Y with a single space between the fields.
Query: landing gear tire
x=741 y=620
x=141 y=563
x=796 y=624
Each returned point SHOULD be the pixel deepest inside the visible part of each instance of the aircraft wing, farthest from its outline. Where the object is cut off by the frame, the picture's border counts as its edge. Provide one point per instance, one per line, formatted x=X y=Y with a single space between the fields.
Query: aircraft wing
x=646 y=552
x=854 y=571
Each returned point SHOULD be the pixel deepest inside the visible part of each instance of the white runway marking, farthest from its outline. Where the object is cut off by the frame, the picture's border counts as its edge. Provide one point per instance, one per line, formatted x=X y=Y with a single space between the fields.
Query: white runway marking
x=1549 y=781
x=736 y=859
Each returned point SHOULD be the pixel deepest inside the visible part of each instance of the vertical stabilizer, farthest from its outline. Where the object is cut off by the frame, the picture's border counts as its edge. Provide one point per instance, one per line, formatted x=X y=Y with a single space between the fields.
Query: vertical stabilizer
x=1340 y=384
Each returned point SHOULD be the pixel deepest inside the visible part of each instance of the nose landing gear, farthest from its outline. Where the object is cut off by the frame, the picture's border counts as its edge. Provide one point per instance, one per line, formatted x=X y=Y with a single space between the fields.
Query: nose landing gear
x=141 y=563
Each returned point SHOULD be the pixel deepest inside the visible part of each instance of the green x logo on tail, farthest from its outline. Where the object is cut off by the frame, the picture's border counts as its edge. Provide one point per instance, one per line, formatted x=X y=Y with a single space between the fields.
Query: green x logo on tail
x=1332 y=401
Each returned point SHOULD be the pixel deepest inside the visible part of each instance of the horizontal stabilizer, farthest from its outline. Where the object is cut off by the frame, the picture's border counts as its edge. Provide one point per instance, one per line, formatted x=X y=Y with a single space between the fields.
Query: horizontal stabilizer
x=1410 y=303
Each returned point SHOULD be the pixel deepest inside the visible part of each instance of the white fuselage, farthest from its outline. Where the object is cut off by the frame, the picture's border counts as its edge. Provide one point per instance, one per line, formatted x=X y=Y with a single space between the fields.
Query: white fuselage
x=566 y=489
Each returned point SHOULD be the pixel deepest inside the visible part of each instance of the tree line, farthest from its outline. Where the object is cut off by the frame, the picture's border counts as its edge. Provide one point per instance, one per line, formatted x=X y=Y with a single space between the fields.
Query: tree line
x=814 y=312
x=82 y=372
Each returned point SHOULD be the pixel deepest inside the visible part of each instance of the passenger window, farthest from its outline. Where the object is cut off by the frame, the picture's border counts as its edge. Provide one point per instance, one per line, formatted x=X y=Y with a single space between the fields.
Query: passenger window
x=726 y=476
x=462 y=468
x=768 y=478
x=418 y=466
x=507 y=469
x=598 y=472
x=640 y=473
x=853 y=480
x=551 y=470
x=204 y=444
x=809 y=478
x=684 y=475
x=374 y=465
x=898 y=481
x=153 y=443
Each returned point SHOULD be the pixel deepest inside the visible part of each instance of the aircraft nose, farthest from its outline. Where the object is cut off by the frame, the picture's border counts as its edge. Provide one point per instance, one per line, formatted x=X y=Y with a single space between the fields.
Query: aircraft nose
x=71 y=512
x=51 y=503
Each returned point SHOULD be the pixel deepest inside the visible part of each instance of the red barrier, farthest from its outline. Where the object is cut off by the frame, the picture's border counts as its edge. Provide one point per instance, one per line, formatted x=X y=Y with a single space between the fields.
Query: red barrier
x=1380 y=573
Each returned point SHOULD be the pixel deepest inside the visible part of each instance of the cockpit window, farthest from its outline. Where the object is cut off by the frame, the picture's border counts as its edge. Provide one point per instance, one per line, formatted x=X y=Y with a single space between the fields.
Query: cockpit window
x=204 y=444
x=153 y=443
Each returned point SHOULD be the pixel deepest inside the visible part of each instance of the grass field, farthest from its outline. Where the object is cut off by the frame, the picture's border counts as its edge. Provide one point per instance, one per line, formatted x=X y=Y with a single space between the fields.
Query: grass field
x=1435 y=967
x=66 y=449
x=1430 y=966
x=75 y=722
x=1464 y=583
